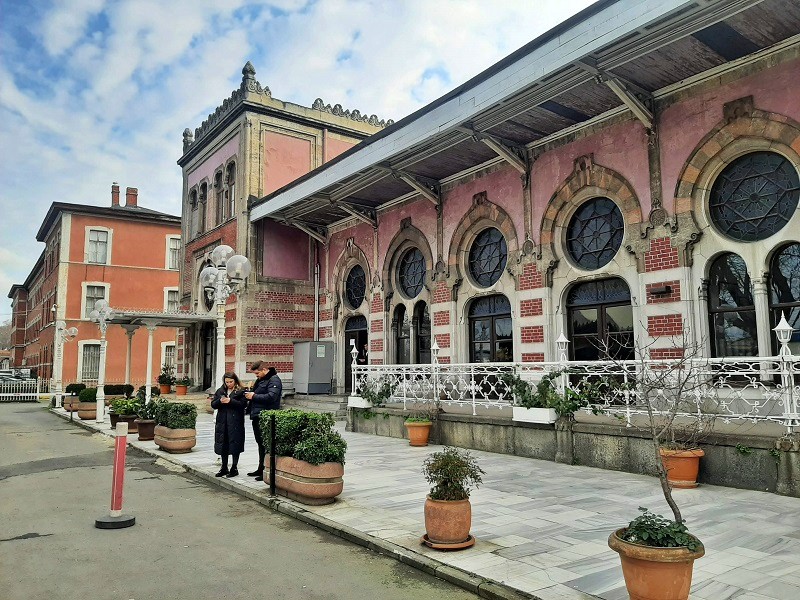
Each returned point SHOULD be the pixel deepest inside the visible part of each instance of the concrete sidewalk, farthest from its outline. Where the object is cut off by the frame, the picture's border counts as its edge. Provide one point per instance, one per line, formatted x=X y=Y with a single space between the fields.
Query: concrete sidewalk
x=541 y=527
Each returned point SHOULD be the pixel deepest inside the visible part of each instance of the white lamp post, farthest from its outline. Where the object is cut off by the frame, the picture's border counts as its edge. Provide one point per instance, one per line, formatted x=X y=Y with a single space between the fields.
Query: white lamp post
x=562 y=342
x=219 y=281
x=784 y=333
x=63 y=334
x=791 y=411
x=101 y=314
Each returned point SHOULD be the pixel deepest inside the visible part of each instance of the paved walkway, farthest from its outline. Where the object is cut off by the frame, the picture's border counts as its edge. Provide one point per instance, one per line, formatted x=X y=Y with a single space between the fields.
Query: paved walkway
x=541 y=526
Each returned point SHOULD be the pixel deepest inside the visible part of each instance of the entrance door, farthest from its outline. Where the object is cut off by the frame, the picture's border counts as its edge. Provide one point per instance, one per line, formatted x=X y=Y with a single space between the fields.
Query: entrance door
x=355 y=334
x=208 y=343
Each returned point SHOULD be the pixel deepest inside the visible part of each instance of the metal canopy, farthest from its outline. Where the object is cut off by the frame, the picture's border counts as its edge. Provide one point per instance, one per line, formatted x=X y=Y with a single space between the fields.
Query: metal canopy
x=611 y=58
x=160 y=319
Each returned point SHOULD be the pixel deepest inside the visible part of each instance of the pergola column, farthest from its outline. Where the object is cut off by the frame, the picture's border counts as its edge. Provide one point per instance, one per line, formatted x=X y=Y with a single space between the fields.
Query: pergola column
x=151 y=327
x=129 y=331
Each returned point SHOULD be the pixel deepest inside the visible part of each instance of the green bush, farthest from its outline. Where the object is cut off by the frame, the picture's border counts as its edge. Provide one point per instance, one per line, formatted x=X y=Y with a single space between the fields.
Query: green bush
x=452 y=473
x=303 y=435
x=148 y=411
x=75 y=388
x=177 y=415
x=154 y=391
x=126 y=406
x=88 y=395
x=649 y=529
x=377 y=391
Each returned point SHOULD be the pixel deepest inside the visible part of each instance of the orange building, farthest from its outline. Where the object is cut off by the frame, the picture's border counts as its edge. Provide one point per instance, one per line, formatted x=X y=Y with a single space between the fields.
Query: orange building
x=125 y=254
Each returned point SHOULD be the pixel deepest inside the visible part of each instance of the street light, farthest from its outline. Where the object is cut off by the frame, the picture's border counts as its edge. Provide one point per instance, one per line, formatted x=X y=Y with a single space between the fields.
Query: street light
x=784 y=333
x=220 y=280
x=63 y=334
x=101 y=315
x=562 y=342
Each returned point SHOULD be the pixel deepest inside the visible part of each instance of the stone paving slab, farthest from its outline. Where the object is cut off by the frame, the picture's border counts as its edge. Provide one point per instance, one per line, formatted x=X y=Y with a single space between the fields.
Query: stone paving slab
x=541 y=527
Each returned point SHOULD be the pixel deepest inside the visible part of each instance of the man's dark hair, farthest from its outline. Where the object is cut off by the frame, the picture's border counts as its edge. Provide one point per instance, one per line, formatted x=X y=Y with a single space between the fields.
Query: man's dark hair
x=257 y=365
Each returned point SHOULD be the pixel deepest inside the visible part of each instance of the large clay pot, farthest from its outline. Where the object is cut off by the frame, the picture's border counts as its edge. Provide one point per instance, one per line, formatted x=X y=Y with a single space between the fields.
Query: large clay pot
x=418 y=433
x=146 y=429
x=87 y=410
x=307 y=483
x=180 y=390
x=164 y=388
x=447 y=521
x=69 y=403
x=655 y=573
x=130 y=420
x=682 y=466
x=175 y=441
x=114 y=419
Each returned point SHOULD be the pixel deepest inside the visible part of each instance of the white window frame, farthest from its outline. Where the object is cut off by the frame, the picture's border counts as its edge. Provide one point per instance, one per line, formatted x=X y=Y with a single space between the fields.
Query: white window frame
x=167 y=290
x=164 y=346
x=86 y=284
x=166 y=254
x=109 y=244
x=81 y=344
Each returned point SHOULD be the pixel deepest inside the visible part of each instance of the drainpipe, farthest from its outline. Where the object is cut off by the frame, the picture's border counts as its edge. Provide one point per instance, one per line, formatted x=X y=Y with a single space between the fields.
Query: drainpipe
x=316 y=292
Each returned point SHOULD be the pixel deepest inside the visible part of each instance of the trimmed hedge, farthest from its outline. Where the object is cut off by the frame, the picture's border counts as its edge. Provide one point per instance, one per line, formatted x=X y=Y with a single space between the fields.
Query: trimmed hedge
x=176 y=415
x=119 y=389
x=154 y=390
x=303 y=435
x=74 y=388
x=88 y=395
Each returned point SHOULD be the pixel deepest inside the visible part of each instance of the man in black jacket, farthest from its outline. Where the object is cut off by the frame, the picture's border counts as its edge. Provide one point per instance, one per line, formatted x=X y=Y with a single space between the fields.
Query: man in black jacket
x=266 y=395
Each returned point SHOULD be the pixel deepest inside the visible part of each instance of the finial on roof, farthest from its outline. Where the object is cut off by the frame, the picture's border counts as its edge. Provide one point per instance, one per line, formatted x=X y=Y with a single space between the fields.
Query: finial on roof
x=188 y=139
x=248 y=71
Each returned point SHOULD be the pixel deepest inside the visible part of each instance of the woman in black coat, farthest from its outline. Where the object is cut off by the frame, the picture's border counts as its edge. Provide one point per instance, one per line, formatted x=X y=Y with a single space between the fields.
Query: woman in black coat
x=229 y=403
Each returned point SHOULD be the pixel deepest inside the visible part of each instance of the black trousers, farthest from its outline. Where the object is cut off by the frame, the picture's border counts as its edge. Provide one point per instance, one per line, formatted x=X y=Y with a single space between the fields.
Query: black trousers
x=262 y=451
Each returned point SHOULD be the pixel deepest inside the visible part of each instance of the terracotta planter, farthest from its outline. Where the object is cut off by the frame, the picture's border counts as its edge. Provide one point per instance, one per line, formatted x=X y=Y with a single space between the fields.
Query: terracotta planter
x=175 y=441
x=180 y=390
x=307 y=483
x=655 y=573
x=87 y=410
x=146 y=429
x=447 y=521
x=682 y=466
x=418 y=433
x=164 y=388
x=69 y=403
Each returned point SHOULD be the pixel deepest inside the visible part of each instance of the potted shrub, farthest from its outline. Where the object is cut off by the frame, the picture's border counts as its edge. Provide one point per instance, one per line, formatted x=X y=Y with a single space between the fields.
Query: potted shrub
x=182 y=385
x=125 y=409
x=532 y=404
x=419 y=423
x=70 y=402
x=87 y=404
x=175 y=427
x=146 y=421
x=166 y=378
x=309 y=455
x=373 y=392
x=452 y=473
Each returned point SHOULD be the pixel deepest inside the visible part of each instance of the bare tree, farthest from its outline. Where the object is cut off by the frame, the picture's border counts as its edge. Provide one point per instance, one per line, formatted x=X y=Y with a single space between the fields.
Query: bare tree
x=5 y=334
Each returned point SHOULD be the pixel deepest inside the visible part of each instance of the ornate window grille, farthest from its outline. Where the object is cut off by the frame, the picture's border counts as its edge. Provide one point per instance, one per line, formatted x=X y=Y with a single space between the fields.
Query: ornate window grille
x=595 y=233
x=754 y=196
x=355 y=286
x=488 y=257
x=731 y=308
x=411 y=273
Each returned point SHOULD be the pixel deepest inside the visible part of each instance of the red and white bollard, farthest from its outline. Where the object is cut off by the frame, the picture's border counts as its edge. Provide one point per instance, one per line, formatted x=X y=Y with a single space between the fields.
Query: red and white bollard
x=116 y=520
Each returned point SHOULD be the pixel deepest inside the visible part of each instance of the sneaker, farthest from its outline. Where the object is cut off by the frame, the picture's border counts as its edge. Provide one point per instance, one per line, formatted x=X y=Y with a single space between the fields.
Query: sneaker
x=222 y=473
x=232 y=473
x=256 y=473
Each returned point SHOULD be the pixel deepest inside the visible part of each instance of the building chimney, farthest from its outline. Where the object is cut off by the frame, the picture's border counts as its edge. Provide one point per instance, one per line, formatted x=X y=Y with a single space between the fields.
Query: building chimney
x=131 y=195
x=115 y=194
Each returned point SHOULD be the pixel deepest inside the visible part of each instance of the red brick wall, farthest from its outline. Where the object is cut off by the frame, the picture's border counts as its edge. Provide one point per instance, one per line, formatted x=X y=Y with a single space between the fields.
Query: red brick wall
x=661 y=255
x=441 y=317
x=532 y=334
x=376 y=325
x=530 y=308
x=533 y=357
x=441 y=293
x=673 y=296
x=377 y=303
x=530 y=278
x=443 y=339
x=376 y=346
x=666 y=353
x=665 y=325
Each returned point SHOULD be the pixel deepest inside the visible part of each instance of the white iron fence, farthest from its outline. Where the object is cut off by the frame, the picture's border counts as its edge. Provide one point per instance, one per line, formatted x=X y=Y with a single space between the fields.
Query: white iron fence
x=754 y=389
x=22 y=390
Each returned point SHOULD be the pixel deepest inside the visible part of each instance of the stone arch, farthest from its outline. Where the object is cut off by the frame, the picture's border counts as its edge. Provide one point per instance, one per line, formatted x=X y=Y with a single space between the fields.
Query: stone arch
x=588 y=180
x=408 y=237
x=482 y=214
x=351 y=255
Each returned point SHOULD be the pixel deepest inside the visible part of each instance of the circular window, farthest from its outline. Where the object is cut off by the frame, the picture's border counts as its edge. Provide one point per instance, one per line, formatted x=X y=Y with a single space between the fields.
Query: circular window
x=355 y=286
x=411 y=273
x=595 y=233
x=487 y=257
x=754 y=196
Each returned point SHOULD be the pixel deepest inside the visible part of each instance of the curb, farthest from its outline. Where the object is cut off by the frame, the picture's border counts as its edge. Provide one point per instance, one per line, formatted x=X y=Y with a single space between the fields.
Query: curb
x=481 y=586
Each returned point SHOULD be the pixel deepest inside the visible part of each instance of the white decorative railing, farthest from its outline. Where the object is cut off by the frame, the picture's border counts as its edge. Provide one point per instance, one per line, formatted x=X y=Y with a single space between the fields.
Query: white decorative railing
x=754 y=389
x=26 y=389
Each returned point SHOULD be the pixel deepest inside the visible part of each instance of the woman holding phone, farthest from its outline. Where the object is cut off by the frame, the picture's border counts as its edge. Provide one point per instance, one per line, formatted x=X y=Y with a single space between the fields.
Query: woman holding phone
x=230 y=404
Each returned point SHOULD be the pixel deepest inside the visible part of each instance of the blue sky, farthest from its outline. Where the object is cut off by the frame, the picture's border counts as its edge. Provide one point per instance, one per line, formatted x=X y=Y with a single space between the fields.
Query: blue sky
x=96 y=91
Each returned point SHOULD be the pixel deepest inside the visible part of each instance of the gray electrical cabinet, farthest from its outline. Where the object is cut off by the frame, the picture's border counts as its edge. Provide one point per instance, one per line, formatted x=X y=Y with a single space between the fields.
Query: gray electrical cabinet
x=313 y=367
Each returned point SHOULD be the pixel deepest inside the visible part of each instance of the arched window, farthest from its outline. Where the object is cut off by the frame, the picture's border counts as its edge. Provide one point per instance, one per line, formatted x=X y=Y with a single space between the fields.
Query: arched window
x=219 y=194
x=194 y=218
x=487 y=257
x=595 y=233
x=355 y=286
x=732 y=314
x=490 y=330
x=600 y=320
x=422 y=332
x=355 y=336
x=784 y=279
x=230 y=181
x=401 y=326
x=411 y=273
x=201 y=221
x=754 y=196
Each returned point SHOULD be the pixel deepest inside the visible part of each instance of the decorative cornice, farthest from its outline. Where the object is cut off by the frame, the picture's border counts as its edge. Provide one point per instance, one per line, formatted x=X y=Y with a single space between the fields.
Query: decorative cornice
x=354 y=115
